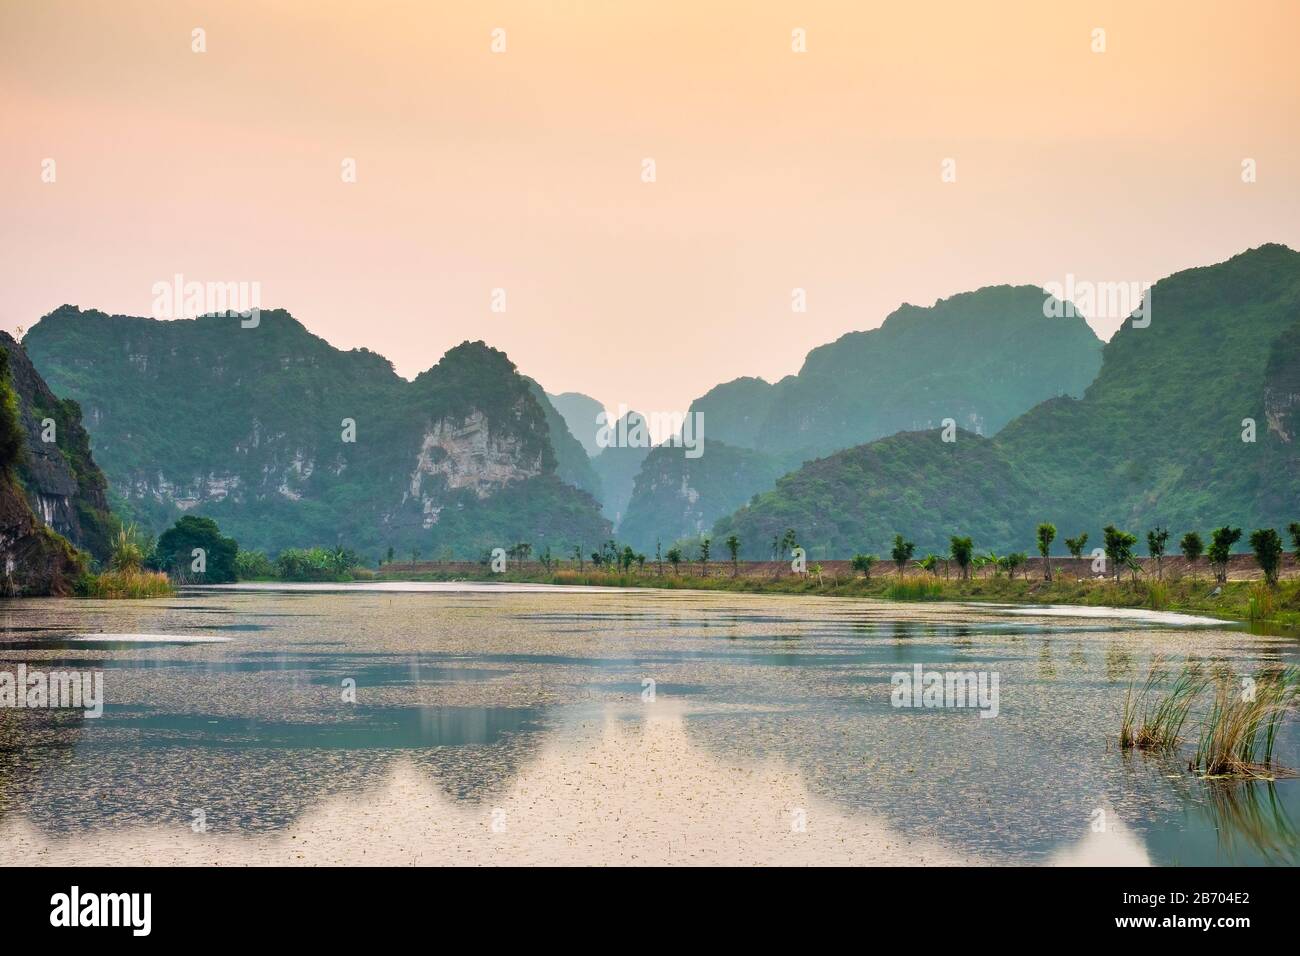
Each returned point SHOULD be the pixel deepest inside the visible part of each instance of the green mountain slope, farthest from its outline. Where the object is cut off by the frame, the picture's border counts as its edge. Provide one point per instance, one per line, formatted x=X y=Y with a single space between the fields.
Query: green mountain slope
x=580 y=414
x=1156 y=439
x=287 y=441
x=572 y=464
x=979 y=358
x=617 y=466
x=676 y=497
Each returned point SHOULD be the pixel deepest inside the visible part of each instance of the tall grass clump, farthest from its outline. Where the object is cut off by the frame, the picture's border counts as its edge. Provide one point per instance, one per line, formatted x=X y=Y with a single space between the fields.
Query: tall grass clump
x=915 y=587
x=124 y=584
x=1261 y=605
x=1240 y=730
x=1157 y=724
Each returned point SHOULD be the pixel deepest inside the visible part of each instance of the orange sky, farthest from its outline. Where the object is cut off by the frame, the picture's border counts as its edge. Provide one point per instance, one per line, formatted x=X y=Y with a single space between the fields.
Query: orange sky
x=522 y=170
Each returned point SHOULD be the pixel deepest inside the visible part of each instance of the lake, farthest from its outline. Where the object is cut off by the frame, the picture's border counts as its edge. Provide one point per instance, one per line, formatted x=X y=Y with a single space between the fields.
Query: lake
x=404 y=723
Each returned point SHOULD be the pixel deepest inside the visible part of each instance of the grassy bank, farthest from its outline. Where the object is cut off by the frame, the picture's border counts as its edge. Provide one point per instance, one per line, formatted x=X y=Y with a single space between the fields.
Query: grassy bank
x=1236 y=600
x=124 y=584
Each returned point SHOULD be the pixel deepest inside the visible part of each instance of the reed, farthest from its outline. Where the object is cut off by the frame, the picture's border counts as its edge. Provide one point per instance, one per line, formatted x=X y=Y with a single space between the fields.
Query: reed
x=1261 y=606
x=915 y=587
x=1239 y=733
x=124 y=584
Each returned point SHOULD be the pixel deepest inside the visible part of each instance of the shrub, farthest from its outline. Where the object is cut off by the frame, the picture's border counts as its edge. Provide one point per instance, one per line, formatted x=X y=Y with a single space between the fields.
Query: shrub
x=864 y=563
x=1192 y=547
x=1221 y=542
x=1267 y=545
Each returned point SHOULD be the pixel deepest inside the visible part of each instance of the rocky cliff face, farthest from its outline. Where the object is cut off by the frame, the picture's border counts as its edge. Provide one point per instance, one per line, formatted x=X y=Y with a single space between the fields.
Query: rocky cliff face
x=65 y=488
x=287 y=441
x=45 y=486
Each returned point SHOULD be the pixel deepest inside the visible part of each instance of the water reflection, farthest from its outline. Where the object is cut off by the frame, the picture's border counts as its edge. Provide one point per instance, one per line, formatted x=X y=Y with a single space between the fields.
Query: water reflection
x=466 y=693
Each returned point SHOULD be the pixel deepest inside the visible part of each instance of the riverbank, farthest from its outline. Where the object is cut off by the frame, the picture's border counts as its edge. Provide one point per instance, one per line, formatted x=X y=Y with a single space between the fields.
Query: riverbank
x=1242 y=600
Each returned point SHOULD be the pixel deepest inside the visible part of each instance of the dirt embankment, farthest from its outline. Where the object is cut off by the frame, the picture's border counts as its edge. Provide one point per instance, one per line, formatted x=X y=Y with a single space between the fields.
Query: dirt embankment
x=1241 y=567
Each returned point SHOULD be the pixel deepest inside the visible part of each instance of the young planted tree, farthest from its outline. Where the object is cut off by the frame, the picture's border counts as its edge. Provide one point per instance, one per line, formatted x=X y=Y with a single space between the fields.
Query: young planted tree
x=1118 y=546
x=1156 y=541
x=1192 y=547
x=675 y=558
x=577 y=555
x=1267 y=545
x=1293 y=529
x=962 y=551
x=1220 y=551
x=902 y=552
x=1016 y=559
x=733 y=548
x=705 y=544
x=1076 y=545
x=864 y=563
x=659 y=558
x=789 y=541
x=1046 y=535
x=626 y=558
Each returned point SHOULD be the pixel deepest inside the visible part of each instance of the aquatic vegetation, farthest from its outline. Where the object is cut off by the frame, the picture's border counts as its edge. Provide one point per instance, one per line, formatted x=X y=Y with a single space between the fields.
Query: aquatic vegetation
x=1157 y=725
x=1239 y=732
x=124 y=584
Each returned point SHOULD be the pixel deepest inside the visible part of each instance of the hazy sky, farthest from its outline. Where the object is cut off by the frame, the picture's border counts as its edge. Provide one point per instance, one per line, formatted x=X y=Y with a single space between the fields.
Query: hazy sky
x=522 y=170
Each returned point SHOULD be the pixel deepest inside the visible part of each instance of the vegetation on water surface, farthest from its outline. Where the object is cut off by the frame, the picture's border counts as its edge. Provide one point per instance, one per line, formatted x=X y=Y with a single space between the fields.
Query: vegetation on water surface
x=1238 y=727
x=124 y=584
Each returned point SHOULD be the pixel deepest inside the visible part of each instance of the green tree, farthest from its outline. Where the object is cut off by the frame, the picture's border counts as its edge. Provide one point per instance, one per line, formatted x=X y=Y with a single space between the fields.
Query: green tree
x=789 y=541
x=174 y=552
x=1267 y=545
x=1076 y=545
x=864 y=563
x=1016 y=559
x=733 y=548
x=1220 y=550
x=1293 y=529
x=901 y=553
x=1118 y=546
x=577 y=556
x=962 y=551
x=675 y=558
x=1046 y=535
x=1156 y=541
x=1192 y=547
x=704 y=556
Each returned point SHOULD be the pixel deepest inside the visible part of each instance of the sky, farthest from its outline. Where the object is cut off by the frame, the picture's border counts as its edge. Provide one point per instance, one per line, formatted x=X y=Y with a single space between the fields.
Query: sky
x=523 y=169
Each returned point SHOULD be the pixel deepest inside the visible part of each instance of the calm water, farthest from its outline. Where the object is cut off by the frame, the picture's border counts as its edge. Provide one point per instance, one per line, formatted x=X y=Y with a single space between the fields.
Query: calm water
x=471 y=688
